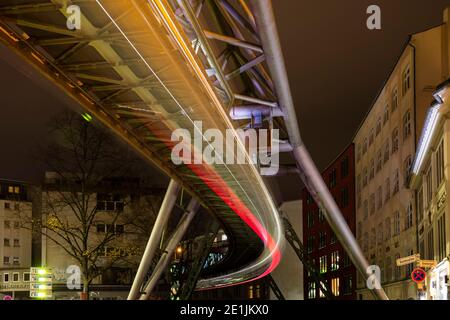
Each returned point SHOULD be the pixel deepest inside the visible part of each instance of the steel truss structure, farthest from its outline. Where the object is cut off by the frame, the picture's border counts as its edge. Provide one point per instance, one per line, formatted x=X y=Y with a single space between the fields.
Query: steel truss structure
x=146 y=68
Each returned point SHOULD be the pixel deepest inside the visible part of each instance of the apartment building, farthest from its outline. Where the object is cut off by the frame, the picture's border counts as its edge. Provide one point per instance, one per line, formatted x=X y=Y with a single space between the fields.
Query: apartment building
x=321 y=242
x=15 y=245
x=385 y=146
x=430 y=181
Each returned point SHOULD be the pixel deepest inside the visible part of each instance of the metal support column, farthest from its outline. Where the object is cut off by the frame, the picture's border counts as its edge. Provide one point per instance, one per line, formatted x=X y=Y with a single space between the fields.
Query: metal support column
x=170 y=248
x=153 y=242
x=266 y=25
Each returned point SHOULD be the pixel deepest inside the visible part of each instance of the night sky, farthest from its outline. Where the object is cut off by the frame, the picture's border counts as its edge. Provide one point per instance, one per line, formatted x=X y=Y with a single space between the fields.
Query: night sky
x=336 y=67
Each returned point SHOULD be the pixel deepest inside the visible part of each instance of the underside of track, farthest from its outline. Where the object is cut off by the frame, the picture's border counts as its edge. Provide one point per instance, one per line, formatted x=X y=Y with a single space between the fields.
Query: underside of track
x=133 y=68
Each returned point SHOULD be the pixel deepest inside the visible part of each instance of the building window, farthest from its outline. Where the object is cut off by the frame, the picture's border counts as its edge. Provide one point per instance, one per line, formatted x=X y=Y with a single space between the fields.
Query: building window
x=16 y=225
x=5 y=260
x=16 y=260
x=430 y=245
x=7 y=205
x=323 y=264
x=380 y=234
x=406 y=125
x=407 y=169
x=366 y=209
x=372 y=169
x=310 y=217
x=409 y=217
x=387 y=228
x=16 y=243
x=379 y=160
x=429 y=179
x=7 y=224
x=396 y=223
x=6 y=277
x=394 y=140
x=250 y=292
x=335 y=286
x=409 y=267
x=6 y=242
x=396 y=182
x=371 y=137
x=365 y=177
x=378 y=130
x=344 y=197
x=26 y=277
x=372 y=203
x=15 y=277
x=311 y=290
x=344 y=168
x=10 y=189
x=110 y=228
x=440 y=163
x=406 y=82
x=387 y=190
x=386 y=115
x=322 y=239
x=441 y=237
x=109 y=202
x=394 y=99
x=334 y=261
x=323 y=284
x=379 y=198
x=346 y=262
x=387 y=151
x=332 y=178
x=310 y=244
x=347 y=285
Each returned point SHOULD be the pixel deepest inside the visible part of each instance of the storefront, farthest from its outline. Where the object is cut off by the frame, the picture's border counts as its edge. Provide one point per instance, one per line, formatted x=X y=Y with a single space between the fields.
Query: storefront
x=438 y=281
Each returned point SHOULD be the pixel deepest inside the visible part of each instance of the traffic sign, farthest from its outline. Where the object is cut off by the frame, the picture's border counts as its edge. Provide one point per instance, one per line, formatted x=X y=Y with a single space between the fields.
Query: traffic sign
x=427 y=263
x=408 y=260
x=418 y=275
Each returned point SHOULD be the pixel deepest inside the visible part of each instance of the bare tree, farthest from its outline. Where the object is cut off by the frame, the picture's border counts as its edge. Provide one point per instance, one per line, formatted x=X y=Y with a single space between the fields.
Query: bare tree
x=85 y=162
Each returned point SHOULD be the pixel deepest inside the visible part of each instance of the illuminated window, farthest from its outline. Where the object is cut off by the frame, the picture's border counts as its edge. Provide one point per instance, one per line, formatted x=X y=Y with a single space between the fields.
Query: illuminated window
x=16 y=190
x=334 y=261
x=16 y=260
x=10 y=189
x=335 y=286
x=323 y=285
x=258 y=291
x=311 y=290
x=323 y=264
x=407 y=169
x=250 y=292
